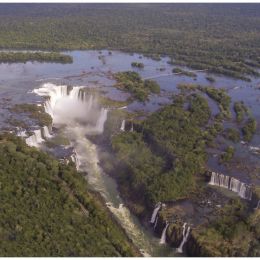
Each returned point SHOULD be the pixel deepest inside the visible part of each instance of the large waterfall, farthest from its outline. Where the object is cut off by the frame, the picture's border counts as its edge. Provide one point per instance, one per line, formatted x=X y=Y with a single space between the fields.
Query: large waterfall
x=163 y=237
x=185 y=235
x=243 y=190
x=71 y=104
x=80 y=115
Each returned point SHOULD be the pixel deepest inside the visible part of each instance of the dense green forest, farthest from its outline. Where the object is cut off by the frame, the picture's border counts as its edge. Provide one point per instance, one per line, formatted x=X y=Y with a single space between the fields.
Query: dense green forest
x=132 y=82
x=222 y=38
x=163 y=157
x=54 y=57
x=47 y=210
x=235 y=232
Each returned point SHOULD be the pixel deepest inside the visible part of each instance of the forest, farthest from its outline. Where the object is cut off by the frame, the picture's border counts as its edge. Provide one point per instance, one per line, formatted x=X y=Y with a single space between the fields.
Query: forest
x=47 y=208
x=163 y=157
x=52 y=57
x=220 y=38
x=132 y=82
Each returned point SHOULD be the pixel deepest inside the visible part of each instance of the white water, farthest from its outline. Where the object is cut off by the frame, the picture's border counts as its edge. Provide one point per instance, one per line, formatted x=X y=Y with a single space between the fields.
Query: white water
x=155 y=212
x=155 y=224
x=132 y=128
x=35 y=139
x=163 y=237
x=185 y=235
x=46 y=132
x=80 y=116
x=243 y=190
x=122 y=128
x=74 y=158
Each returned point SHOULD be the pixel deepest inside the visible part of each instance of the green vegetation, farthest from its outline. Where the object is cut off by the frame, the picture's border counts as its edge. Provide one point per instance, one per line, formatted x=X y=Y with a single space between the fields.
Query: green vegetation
x=222 y=38
x=227 y=155
x=240 y=110
x=162 y=159
x=184 y=72
x=54 y=57
x=139 y=89
x=235 y=232
x=232 y=134
x=47 y=209
x=221 y=97
x=249 y=129
x=210 y=79
x=137 y=65
x=187 y=87
x=35 y=112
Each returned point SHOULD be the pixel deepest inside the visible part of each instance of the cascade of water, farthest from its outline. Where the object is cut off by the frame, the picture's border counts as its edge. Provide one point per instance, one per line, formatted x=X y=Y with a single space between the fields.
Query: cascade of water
x=224 y=181
x=214 y=180
x=155 y=212
x=21 y=133
x=78 y=119
x=46 y=133
x=244 y=191
x=122 y=128
x=235 y=185
x=132 y=128
x=155 y=224
x=163 y=237
x=74 y=158
x=185 y=235
x=101 y=121
x=35 y=139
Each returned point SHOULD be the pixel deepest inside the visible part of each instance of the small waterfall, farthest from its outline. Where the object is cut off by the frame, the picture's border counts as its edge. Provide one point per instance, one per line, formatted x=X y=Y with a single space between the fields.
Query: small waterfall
x=155 y=212
x=122 y=128
x=35 y=139
x=185 y=235
x=101 y=121
x=132 y=128
x=163 y=237
x=21 y=133
x=155 y=224
x=46 y=133
x=243 y=190
x=74 y=158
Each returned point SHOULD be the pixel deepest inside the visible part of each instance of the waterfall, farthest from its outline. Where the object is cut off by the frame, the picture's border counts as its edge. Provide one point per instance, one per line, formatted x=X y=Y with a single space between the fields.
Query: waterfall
x=163 y=237
x=122 y=128
x=21 y=133
x=75 y=159
x=70 y=105
x=46 y=133
x=35 y=139
x=101 y=121
x=219 y=179
x=78 y=115
x=155 y=224
x=185 y=235
x=243 y=190
x=214 y=179
x=132 y=128
x=155 y=212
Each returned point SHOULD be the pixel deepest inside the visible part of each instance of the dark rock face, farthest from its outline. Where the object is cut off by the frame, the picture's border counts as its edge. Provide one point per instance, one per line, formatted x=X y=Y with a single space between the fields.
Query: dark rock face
x=174 y=234
x=193 y=247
